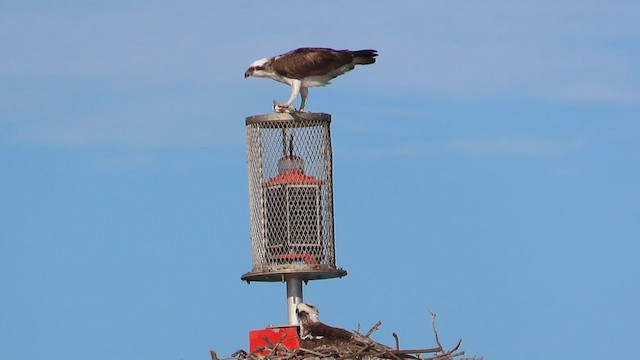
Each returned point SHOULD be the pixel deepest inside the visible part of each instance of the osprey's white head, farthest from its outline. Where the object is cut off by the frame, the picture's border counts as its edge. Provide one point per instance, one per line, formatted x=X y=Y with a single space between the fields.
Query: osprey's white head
x=307 y=313
x=257 y=69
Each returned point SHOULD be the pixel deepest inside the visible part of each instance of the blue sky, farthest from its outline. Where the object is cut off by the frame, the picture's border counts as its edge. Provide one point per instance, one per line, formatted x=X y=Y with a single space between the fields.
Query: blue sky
x=485 y=167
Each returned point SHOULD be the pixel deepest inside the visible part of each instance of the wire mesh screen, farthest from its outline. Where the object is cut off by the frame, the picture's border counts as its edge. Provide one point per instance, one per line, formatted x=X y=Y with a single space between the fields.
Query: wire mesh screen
x=291 y=193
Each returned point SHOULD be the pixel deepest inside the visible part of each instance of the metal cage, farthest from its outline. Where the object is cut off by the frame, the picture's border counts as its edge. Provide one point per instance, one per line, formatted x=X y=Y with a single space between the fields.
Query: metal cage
x=291 y=197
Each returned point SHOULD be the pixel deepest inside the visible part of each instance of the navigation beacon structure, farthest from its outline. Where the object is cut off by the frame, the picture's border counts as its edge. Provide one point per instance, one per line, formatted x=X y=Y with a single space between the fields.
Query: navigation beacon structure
x=290 y=172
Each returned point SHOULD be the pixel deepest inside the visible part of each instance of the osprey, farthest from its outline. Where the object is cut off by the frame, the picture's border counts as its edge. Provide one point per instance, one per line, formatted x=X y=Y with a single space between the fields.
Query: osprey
x=314 y=333
x=312 y=328
x=308 y=67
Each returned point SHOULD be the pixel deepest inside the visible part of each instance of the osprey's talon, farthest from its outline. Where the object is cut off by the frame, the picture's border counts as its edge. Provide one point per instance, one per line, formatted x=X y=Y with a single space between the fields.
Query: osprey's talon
x=282 y=108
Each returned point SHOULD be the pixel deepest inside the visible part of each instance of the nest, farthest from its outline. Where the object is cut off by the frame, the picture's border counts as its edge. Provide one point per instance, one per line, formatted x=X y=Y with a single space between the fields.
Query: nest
x=361 y=347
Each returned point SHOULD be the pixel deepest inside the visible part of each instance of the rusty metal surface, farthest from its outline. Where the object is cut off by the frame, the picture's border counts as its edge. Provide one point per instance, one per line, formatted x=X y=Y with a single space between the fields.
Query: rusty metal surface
x=288 y=117
x=304 y=274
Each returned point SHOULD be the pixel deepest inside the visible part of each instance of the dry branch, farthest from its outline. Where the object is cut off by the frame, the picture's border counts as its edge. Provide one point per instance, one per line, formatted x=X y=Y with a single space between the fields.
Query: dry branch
x=395 y=336
x=373 y=329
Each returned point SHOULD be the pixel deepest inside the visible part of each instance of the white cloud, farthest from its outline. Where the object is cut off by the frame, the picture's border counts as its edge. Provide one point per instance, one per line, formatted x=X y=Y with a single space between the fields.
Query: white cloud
x=141 y=116
x=592 y=92
x=559 y=51
x=516 y=146
x=123 y=162
x=522 y=49
x=128 y=128
x=145 y=44
x=496 y=48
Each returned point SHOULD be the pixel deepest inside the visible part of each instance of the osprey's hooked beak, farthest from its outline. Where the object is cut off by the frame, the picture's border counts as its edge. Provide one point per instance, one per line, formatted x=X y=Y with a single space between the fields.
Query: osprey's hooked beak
x=248 y=73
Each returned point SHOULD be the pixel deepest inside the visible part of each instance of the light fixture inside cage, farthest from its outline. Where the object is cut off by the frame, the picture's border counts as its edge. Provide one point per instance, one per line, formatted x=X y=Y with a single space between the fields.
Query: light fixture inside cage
x=291 y=201
x=293 y=217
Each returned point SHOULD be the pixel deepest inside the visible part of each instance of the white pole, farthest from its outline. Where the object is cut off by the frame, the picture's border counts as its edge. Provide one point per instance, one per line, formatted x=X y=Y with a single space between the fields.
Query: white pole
x=294 y=297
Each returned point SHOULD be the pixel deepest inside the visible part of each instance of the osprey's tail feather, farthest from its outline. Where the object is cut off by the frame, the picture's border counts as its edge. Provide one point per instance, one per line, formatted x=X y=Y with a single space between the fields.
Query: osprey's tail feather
x=364 y=57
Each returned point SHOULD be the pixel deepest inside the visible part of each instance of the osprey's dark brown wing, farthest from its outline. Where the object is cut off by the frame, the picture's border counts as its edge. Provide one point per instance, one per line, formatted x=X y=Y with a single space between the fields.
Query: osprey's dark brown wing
x=305 y=62
x=320 y=329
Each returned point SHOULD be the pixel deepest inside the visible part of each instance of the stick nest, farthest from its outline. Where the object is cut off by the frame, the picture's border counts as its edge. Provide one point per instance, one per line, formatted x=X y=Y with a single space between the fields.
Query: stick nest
x=361 y=347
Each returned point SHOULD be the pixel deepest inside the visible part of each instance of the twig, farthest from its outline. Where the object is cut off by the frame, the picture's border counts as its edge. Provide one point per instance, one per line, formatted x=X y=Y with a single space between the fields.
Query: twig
x=279 y=343
x=239 y=354
x=448 y=355
x=395 y=336
x=457 y=346
x=266 y=339
x=415 y=351
x=310 y=352
x=373 y=329
x=394 y=356
x=435 y=332
x=257 y=350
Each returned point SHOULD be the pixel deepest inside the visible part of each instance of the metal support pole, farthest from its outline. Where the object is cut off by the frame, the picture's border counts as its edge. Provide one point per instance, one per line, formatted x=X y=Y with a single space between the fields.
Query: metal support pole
x=294 y=297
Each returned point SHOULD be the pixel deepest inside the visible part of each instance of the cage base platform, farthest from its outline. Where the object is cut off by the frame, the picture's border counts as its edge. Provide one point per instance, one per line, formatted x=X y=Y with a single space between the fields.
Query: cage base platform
x=282 y=275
